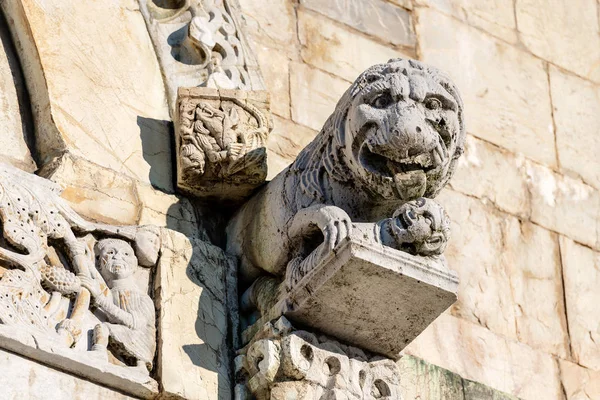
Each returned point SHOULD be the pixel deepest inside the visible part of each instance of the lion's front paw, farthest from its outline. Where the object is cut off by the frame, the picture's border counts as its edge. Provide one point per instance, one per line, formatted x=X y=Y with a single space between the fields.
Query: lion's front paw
x=423 y=224
x=336 y=227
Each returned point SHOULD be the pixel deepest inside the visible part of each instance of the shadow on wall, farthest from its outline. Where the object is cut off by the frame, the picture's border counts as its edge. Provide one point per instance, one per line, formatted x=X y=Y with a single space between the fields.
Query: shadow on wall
x=24 y=111
x=157 y=144
x=204 y=341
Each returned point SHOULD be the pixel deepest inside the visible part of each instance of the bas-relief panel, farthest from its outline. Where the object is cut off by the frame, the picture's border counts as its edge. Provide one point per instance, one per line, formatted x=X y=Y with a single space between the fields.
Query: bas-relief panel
x=75 y=294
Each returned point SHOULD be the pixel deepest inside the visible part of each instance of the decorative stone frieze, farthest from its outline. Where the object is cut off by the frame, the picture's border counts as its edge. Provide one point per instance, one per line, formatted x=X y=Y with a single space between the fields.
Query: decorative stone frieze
x=282 y=362
x=200 y=43
x=72 y=293
x=317 y=243
x=221 y=140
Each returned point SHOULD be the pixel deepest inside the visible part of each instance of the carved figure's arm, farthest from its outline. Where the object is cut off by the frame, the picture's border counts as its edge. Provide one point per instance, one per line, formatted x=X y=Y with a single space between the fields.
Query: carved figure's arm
x=114 y=313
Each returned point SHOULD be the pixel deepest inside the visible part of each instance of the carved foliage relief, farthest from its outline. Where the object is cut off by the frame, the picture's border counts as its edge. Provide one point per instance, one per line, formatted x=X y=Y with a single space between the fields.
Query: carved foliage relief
x=75 y=287
x=221 y=141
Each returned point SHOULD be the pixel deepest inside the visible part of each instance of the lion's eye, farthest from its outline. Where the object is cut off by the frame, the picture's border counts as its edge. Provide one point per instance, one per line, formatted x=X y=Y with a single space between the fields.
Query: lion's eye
x=433 y=104
x=382 y=101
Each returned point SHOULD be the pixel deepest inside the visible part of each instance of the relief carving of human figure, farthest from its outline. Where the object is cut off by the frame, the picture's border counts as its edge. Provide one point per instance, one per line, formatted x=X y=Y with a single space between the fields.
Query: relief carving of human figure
x=130 y=328
x=387 y=150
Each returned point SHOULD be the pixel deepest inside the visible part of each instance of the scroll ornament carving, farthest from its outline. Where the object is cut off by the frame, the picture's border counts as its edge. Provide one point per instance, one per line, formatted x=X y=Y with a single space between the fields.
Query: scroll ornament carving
x=199 y=43
x=59 y=271
x=283 y=361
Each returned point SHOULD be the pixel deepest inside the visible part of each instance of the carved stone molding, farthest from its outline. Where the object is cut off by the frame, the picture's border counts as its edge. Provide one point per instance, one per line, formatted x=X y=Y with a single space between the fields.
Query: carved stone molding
x=281 y=362
x=221 y=140
x=201 y=43
x=72 y=293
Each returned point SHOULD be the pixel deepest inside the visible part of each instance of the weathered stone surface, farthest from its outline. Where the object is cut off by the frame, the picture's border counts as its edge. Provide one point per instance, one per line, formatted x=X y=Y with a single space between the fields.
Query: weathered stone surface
x=283 y=363
x=477 y=354
x=496 y=17
x=14 y=123
x=579 y=383
x=193 y=360
x=96 y=192
x=101 y=194
x=22 y=379
x=536 y=285
x=504 y=286
x=563 y=204
x=314 y=95
x=285 y=142
x=111 y=113
x=220 y=139
x=403 y=3
x=564 y=32
x=581 y=271
x=475 y=252
x=374 y=17
x=491 y=173
x=271 y=23
x=577 y=116
x=173 y=212
x=423 y=381
x=497 y=82
x=477 y=391
x=274 y=66
x=332 y=48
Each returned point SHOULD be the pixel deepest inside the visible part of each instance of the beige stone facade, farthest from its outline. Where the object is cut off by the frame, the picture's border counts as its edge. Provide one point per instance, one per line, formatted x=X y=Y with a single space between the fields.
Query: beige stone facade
x=83 y=102
x=524 y=202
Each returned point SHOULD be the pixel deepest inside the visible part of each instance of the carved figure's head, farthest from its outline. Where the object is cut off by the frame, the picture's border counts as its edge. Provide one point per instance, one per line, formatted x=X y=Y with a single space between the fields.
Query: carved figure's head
x=117 y=258
x=421 y=227
x=400 y=128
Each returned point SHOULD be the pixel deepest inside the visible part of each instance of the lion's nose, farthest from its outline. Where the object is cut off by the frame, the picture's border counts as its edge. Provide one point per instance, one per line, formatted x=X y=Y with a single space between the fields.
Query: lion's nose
x=412 y=136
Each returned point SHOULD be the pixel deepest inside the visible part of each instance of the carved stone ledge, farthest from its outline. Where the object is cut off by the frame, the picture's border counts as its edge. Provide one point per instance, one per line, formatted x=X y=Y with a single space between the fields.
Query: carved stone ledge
x=52 y=352
x=221 y=140
x=282 y=363
x=369 y=295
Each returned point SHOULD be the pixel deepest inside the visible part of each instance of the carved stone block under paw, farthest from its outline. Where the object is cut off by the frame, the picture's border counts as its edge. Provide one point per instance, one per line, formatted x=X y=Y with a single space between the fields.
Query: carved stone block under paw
x=367 y=294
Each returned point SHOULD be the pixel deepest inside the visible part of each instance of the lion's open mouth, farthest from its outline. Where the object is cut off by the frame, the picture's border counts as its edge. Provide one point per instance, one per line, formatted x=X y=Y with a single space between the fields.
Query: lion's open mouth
x=381 y=165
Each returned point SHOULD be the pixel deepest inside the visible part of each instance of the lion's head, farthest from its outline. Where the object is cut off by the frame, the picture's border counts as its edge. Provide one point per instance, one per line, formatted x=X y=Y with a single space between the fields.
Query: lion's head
x=400 y=129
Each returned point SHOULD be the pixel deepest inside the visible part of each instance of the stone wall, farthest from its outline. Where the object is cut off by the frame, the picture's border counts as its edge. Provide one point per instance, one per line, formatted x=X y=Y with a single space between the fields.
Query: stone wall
x=87 y=108
x=525 y=201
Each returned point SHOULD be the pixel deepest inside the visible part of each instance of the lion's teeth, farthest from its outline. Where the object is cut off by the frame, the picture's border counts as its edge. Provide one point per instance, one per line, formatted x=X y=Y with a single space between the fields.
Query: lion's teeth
x=423 y=160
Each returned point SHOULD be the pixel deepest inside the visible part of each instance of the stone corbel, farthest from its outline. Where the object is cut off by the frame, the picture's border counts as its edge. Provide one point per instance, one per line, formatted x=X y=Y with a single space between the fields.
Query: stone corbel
x=216 y=96
x=282 y=362
x=221 y=138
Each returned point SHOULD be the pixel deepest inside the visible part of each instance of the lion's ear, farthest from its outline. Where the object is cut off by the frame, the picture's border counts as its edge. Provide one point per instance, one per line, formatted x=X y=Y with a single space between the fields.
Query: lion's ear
x=373 y=77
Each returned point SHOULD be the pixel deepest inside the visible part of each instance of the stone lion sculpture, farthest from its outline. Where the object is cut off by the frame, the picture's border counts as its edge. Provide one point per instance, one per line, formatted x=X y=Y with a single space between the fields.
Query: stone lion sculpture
x=392 y=141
